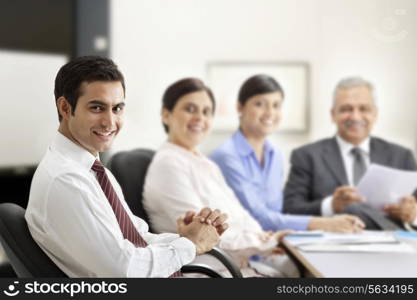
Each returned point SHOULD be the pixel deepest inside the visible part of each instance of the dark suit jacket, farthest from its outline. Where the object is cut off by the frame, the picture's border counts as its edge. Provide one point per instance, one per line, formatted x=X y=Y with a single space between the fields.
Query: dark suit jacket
x=317 y=170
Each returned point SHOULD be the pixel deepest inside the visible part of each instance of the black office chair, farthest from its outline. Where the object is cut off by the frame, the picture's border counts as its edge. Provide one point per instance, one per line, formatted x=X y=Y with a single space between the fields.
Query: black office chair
x=25 y=256
x=29 y=261
x=129 y=168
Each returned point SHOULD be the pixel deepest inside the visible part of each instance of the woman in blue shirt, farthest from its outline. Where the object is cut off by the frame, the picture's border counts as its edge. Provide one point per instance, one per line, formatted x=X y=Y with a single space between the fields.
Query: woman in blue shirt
x=253 y=167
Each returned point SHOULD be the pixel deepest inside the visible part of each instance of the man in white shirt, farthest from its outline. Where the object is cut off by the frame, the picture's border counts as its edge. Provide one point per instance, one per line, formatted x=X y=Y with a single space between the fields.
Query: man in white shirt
x=324 y=174
x=78 y=216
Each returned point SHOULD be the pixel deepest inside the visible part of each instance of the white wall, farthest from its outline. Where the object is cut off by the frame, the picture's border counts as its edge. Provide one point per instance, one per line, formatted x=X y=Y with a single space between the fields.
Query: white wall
x=28 y=117
x=157 y=42
x=377 y=40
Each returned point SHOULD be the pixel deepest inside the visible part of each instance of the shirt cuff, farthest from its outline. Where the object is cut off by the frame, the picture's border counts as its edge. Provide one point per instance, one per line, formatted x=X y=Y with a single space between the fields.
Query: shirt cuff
x=297 y=222
x=327 y=207
x=186 y=250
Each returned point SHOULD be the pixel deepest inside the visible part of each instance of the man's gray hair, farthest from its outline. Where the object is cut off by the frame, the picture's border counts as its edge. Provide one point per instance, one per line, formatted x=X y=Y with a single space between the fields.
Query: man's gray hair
x=351 y=82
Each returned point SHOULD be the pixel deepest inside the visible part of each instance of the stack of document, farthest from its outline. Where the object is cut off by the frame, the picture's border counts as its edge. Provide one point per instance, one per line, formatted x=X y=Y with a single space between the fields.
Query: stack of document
x=367 y=241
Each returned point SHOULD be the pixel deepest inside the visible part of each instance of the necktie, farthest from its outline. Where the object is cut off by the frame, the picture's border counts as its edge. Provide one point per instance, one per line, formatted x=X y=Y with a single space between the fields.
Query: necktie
x=359 y=166
x=126 y=225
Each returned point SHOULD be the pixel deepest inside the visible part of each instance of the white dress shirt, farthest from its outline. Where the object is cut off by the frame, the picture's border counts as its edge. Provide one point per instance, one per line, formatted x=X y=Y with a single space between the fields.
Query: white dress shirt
x=71 y=219
x=348 y=159
x=179 y=180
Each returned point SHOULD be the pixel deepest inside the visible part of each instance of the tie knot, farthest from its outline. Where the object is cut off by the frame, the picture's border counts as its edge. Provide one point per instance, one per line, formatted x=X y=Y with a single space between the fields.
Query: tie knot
x=98 y=166
x=356 y=151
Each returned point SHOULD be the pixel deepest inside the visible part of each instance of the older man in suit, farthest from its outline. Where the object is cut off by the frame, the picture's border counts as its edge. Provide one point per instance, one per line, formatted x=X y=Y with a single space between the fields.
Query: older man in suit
x=323 y=174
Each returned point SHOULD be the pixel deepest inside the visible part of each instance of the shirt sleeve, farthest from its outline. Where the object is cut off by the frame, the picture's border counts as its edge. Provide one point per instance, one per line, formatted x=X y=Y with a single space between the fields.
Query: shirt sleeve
x=80 y=233
x=327 y=207
x=169 y=194
x=270 y=218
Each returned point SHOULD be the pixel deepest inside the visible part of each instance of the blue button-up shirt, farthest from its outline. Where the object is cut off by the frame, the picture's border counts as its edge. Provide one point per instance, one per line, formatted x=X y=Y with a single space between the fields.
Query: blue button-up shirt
x=259 y=188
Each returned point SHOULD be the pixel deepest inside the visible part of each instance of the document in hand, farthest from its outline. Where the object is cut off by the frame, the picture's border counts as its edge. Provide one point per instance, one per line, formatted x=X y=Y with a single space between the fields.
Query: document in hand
x=383 y=185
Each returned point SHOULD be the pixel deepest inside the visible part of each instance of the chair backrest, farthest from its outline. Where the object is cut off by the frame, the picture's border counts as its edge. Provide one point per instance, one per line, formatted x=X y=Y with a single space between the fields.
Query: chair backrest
x=129 y=168
x=24 y=254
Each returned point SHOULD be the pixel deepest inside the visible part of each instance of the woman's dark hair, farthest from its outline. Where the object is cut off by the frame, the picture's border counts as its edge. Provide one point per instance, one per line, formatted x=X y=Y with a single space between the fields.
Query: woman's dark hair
x=183 y=87
x=84 y=69
x=258 y=84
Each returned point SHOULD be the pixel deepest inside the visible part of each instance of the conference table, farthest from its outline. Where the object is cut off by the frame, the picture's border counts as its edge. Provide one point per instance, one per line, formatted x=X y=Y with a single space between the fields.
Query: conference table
x=353 y=264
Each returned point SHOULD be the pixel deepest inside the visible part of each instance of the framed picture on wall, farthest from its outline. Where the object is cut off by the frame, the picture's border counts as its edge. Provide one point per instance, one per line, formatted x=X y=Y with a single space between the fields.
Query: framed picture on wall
x=225 y=79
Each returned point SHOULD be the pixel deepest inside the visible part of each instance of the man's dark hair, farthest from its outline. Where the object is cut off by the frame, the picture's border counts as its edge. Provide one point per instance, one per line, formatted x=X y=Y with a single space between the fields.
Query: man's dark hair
x=183 y=87
x=84 y=69
x=258 y=84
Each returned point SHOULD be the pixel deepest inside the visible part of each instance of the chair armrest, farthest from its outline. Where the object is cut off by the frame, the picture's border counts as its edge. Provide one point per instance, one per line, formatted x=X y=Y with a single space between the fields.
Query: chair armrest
x=227 y=261
x=6 y=270
x=202 y=269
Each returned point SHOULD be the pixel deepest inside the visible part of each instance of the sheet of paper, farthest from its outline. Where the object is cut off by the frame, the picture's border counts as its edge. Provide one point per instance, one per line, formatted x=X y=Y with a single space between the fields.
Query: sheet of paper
x=377 y=248
x=365 y=237
x=366 y=241
x=306 y=234
x=383 y=185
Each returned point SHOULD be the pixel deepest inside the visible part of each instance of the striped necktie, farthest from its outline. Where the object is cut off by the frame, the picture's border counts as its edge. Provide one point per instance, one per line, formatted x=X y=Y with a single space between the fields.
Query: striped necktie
x=129 y=230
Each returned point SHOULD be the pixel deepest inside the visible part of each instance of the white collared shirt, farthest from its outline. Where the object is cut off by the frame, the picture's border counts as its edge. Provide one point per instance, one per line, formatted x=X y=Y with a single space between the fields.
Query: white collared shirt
x=71 y=219
x=348 y=159
x=179 y=180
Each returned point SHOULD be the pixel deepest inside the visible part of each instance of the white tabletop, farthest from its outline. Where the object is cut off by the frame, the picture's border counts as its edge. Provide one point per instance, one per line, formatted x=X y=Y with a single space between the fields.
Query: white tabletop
x=349 y=264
